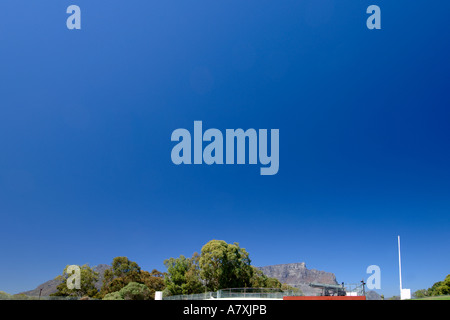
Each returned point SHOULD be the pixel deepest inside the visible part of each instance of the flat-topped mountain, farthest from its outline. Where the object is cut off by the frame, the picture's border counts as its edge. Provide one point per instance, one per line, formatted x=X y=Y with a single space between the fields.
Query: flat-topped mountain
x=298 y=276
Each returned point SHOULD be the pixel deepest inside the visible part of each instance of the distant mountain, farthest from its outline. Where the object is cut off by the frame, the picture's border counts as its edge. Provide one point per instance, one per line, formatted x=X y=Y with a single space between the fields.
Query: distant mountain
x=372 y=295
x=298 y=276
x=101 y=268
x=49 y=287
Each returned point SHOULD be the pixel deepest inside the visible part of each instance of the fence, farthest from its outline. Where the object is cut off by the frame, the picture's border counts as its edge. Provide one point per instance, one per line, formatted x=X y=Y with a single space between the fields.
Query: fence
x=236 y=293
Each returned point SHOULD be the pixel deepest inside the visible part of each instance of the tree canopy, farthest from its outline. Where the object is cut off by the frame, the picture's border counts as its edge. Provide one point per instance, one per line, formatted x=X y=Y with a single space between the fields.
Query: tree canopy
x=183 y=275
x=437 y=289
x=220 y=265
x=124 y=271
x=132 y=291
x=224 y=265
x=88 y=278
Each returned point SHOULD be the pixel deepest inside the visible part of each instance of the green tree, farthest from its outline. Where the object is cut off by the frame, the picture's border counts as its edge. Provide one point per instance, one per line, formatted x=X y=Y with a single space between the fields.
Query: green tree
x=260 y=280
x=132 y=291
x=224 y=265
x=113 y=296
x=122 y=272
x=433 y=291
x=154 y=281
x=4 y=295
x=88 y=278
x=122 y=267
x=444 y=287
x=183 y=276
x=437 y=289
x=219 y=266
x=420 y=293
x=135 y=291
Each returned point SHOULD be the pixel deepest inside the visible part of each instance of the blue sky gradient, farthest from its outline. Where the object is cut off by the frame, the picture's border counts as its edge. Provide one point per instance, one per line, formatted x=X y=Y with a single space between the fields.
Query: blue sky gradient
x=86 y=118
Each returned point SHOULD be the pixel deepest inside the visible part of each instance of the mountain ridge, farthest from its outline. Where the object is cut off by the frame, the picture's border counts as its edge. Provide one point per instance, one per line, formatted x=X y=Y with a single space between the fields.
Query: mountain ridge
x=297 y=275
x=49 y=286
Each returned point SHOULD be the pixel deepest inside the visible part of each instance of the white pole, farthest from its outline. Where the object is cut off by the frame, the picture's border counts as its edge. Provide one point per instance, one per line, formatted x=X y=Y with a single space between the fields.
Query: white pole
x=399 y=264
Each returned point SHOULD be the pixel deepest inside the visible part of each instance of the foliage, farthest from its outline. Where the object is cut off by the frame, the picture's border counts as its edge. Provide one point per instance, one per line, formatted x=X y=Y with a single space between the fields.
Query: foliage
x=154 y=281
x=132 y=291
x=219 y=266
x=124 y=272
x=420 y=293
x=135 y=291
x=183 y=276
x=113 y=296
x=446 y=297
x=439 y=288
x=122 y=267
x=260 y=280
x=4 y=295
x=224 y=265
x=88 y=278
x=433 y=290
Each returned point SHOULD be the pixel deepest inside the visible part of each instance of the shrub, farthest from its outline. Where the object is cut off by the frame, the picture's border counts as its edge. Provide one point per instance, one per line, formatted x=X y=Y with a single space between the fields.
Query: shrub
x=132 y=291
x=113 y=296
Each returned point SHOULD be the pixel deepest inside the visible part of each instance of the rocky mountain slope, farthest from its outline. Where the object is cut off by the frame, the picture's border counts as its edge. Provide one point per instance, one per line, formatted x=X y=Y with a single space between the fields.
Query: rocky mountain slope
x=298 y=276
x=49 y=287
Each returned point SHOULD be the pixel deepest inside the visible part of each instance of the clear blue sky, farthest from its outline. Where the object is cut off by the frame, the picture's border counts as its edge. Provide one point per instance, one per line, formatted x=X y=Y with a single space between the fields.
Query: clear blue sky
x=86 y=118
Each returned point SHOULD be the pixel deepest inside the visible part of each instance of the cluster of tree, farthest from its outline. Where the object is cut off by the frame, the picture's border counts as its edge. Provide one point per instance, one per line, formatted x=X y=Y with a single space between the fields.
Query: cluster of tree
x=220 y=265
x=132 y=291
x=124 y=281
x=5 y=296
x=440 y=288
x=87 y=284
x=127 y=274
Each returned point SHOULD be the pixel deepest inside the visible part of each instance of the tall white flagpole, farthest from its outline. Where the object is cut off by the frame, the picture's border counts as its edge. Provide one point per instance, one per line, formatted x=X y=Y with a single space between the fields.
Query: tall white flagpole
x=399 y=264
